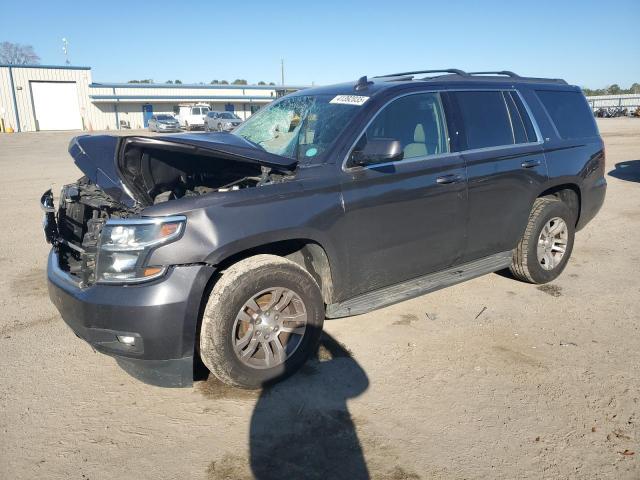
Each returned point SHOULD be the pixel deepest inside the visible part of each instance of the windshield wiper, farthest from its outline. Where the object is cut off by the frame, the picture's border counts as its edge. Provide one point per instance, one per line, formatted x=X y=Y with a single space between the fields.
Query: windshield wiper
x=257 y=145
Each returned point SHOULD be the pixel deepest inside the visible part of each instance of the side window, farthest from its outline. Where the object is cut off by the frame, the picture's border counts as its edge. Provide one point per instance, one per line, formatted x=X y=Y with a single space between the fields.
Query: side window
x=569 y=112
x=417 y=121
x=486 y=119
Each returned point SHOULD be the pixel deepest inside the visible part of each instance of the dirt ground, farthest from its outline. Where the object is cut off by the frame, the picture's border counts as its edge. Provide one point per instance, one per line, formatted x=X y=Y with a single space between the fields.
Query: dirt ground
x=489 y=379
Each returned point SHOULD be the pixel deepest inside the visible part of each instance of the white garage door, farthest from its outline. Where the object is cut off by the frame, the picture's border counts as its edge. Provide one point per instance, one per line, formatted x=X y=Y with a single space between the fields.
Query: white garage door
x=56 y=105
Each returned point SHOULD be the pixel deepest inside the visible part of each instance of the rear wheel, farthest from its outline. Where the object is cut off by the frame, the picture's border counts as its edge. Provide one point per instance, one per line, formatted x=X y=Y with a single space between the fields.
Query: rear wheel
x=262 y=321
x=545 y=248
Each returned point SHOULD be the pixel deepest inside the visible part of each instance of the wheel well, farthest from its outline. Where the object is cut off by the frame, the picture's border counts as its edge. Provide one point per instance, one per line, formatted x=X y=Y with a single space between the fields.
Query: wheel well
x=306 y=253
x=569 y=194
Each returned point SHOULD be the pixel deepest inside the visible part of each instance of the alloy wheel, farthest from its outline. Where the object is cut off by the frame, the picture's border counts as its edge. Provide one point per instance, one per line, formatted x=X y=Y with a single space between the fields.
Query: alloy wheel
x=552 y=243
x=269 y=328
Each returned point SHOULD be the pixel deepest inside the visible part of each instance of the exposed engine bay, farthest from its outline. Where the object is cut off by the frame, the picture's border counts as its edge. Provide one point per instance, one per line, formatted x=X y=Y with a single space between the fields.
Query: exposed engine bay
x=84 y=209
x=161 y=173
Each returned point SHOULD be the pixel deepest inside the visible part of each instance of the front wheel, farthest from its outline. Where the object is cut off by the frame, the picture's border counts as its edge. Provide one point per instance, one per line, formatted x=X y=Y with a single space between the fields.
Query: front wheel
x=545 y=248
x=263 y=319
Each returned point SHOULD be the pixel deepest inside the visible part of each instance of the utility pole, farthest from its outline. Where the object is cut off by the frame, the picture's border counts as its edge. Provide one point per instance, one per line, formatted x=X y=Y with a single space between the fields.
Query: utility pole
x=65 y=49
x=282 y=70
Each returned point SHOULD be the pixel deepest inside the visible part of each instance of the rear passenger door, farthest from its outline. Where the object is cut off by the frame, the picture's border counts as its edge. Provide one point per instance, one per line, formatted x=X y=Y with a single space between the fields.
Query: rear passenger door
x=505 y=167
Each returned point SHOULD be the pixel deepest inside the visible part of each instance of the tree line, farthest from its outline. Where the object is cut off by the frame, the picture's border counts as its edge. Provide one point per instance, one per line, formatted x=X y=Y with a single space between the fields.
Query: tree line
x=237 y=81
x=614 y=89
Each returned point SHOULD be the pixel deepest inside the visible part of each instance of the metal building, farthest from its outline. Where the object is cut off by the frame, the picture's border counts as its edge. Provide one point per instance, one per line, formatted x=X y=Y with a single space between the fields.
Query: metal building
x=48 y=97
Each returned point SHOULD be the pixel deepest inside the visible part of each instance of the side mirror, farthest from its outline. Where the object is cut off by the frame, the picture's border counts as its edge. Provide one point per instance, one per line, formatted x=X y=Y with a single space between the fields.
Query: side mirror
x=378 y=150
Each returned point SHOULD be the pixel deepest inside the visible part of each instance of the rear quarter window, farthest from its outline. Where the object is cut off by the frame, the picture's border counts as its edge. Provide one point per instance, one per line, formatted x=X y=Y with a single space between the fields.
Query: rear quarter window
x=569 y=112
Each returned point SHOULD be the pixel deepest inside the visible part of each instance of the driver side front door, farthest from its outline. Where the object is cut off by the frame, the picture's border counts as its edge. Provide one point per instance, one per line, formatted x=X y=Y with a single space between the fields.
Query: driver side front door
x=405 y=218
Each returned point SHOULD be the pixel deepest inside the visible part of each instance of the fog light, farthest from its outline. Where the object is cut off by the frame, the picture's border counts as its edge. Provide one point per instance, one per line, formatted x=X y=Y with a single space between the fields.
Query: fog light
x=127 y=339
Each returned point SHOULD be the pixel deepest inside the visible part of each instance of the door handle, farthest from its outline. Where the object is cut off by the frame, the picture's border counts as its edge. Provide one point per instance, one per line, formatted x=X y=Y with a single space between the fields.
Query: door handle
x=450 y=178
x=531 y=163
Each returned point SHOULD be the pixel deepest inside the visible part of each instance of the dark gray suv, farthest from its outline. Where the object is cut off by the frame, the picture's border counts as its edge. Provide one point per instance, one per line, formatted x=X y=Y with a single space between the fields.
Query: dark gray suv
x=232 y=248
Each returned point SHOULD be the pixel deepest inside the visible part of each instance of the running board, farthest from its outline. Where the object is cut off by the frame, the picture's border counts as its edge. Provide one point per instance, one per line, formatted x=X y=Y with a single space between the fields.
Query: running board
x=418 y=286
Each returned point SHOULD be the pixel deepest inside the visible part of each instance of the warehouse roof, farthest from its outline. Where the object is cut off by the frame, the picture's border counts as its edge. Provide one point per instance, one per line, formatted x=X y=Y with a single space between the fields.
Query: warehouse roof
x=56 y=67
x=175 y=98
x=197 y=85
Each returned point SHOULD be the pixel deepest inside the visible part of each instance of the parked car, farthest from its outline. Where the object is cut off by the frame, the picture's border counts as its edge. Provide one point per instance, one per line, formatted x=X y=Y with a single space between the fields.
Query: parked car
x=163 y=123
x=331 y=201
x=192 y=117
x=221 y=121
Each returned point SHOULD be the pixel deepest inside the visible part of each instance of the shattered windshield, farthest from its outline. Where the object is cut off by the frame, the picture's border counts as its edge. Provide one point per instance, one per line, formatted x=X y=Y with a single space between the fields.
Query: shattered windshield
x=299 y=126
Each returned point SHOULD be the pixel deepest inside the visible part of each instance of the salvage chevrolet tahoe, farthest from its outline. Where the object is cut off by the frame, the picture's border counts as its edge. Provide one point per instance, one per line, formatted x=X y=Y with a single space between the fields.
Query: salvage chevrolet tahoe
x=232 y=248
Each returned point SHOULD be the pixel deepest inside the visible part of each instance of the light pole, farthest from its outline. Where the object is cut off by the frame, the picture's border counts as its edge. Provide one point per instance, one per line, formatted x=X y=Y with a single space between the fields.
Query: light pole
x=65 y=49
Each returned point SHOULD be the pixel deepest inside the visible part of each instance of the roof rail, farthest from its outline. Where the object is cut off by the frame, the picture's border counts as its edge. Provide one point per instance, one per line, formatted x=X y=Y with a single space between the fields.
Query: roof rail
x=445 y=70
x=508 y=73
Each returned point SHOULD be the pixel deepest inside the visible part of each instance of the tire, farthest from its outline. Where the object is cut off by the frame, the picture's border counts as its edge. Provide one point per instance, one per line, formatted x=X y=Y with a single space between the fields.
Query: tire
x=223 y=317
x=219 y=127
x=526 y=264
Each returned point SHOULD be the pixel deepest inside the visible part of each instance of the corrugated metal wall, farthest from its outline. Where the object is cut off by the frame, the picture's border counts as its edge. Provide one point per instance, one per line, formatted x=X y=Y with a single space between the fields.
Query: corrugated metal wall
x=7 y=113
x=22 y=78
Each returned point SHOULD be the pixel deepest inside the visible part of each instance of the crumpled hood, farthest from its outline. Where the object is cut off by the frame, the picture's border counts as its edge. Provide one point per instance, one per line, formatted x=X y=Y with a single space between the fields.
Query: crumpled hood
x=97 y=155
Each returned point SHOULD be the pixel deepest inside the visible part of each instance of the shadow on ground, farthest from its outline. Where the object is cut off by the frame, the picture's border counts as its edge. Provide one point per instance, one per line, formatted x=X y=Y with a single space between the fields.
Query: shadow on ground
x=301 y=427
x=629 y=171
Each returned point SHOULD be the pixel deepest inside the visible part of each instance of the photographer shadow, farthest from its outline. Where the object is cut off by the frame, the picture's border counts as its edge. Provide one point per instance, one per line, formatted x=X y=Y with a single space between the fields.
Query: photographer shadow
x=302 y=428
x=629 y=171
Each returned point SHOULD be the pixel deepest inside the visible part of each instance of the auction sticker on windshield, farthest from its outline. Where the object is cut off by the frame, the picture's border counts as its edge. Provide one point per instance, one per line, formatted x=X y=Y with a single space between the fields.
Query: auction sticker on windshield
x=349 y=99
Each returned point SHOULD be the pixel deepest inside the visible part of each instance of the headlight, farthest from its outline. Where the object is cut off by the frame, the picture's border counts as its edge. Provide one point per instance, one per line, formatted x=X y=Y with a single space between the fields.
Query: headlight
x=125 y=246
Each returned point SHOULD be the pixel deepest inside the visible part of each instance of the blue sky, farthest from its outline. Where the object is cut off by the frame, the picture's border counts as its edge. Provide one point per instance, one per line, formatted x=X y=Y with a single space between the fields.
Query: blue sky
x=588 y=43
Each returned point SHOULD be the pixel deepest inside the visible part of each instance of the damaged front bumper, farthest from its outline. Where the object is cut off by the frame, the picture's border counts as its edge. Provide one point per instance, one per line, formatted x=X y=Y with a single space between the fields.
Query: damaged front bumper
x=161 y=317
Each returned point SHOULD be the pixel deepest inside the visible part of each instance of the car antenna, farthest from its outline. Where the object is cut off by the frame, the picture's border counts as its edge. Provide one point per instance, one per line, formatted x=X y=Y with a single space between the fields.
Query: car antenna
x=362 y=83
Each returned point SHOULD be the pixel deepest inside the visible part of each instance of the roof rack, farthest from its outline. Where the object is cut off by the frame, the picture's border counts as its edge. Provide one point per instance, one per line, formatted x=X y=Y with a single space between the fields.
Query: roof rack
x=507 y=73
x=444 y=70
x=461 y=75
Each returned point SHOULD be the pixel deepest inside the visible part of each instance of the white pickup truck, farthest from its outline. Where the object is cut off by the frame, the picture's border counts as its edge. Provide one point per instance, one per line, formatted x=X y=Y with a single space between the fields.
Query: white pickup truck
x=192 y=116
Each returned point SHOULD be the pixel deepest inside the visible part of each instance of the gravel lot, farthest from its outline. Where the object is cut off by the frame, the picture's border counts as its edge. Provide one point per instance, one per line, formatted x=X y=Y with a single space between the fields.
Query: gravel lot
x=489 y=379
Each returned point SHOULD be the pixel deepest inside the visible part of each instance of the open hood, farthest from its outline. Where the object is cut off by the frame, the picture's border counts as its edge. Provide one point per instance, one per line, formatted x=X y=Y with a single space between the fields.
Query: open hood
x=134 y=170
x=233 y=146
